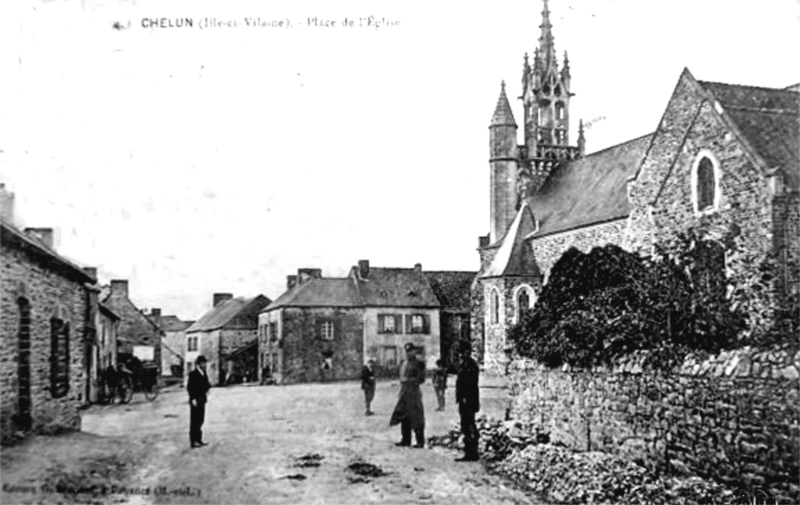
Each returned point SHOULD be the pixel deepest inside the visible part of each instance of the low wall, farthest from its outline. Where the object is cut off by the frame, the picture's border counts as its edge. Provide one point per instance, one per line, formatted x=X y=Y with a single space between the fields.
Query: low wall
x=733 y=417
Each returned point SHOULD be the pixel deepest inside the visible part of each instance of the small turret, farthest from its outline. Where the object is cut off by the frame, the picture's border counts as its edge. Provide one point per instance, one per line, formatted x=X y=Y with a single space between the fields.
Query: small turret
x=503 y=165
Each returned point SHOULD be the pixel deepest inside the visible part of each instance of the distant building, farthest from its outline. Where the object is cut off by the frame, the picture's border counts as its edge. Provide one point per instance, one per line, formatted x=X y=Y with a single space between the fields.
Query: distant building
x=102 y=346
x=326 y=328
x=138 y=335
x=227 y=336
x=46 y=331
x=453 y=290
x=173 y=345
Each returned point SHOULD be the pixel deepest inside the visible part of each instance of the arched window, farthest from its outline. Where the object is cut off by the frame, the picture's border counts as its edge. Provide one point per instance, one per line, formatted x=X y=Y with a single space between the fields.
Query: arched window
x=494 y=307
x=559 y=110
x=705 y=182
x=523 y=304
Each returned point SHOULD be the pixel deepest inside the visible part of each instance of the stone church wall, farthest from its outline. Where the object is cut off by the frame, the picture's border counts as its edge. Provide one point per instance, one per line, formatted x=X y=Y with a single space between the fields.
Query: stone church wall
x=733 y=417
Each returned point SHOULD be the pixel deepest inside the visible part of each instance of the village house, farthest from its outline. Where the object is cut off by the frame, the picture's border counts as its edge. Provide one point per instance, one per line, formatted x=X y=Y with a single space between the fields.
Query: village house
x=45 y=331
x=723 y=163
x=327 y=328
x=173 y=345
x=137 y=335
x=102 y=348
x=227 y=335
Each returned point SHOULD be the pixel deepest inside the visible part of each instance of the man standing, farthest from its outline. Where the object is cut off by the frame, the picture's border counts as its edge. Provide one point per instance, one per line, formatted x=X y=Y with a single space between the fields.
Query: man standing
x=440 y=383
x=467 y=397
x=368 y=384
x=197 y=387
x=409 y=412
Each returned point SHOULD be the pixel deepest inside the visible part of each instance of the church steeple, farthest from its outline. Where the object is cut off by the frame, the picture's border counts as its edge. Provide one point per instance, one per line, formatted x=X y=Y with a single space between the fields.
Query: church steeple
x=546 y=43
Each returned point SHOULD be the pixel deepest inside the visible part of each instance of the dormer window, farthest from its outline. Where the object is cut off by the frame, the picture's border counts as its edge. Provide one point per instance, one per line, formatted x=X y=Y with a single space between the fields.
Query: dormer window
x=705 y=183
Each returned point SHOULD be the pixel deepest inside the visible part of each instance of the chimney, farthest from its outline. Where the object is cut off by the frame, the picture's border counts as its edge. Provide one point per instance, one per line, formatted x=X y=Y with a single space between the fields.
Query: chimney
x=6 y=204
x=221 y=297
x=483 y=241
x=91 y=272
x=119 y=287
x=306 y=274
x=291 y=281
x=155 y=313
x=363 y=269
x=418 y=267
x=43 y=235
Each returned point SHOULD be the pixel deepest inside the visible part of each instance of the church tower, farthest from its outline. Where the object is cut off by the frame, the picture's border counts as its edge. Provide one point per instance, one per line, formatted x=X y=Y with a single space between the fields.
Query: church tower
x=503 y=157
x=546 y=92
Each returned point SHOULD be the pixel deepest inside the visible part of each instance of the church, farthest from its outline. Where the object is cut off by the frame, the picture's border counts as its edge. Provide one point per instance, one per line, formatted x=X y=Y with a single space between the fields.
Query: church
x=723 y=162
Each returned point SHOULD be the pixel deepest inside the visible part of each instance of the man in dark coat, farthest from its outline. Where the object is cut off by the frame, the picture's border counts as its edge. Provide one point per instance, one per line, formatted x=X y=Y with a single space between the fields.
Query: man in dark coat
x=468 y=399
x=368 y=384
x=409 y=412
x=197 y=387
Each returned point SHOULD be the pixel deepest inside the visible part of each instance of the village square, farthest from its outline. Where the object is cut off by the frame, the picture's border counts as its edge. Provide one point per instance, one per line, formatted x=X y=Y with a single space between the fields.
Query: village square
x=628 y=334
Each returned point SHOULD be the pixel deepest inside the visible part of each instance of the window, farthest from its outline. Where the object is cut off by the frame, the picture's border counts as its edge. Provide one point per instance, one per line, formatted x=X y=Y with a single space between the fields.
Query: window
x=389 y=323
x=59 y=358
x=388 y=356
x=191 y=343
x=494 y=307
x=326 y=330
x=272 y=331
x=705 y=183
x=523 y=304
x=417 y=323
x=559 y=110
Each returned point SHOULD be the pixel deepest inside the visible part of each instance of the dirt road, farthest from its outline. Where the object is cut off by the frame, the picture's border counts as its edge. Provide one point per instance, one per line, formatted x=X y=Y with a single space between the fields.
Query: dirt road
x=302 y=444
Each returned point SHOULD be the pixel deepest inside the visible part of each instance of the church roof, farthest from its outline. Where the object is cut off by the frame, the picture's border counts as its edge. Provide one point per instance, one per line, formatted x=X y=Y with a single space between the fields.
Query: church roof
x=588 y=190
x=514 y=257
x=768 y=119
x=502 y=112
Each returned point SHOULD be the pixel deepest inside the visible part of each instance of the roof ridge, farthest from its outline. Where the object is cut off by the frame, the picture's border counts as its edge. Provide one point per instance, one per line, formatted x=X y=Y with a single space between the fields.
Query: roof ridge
x=783 y=90
x=761 y=109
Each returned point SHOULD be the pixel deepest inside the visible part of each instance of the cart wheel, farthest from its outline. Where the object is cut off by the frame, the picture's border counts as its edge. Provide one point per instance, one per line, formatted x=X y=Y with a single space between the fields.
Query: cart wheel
x=125 y=390
x=151 y=392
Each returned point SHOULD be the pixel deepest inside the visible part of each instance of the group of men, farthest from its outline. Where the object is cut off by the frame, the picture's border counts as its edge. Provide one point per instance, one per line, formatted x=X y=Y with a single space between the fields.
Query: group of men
x=409 y=412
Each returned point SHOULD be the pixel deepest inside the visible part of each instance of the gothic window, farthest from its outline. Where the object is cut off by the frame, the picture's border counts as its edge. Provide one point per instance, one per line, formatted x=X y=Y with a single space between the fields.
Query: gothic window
x=59 y=358
x=523 y=304
x=559 y=110
x=494 y=307
x=558 y=91
x=705 y=183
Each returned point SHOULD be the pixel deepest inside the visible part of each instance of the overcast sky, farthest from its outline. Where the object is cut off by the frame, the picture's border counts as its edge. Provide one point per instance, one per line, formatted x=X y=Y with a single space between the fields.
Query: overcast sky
x=192 y=161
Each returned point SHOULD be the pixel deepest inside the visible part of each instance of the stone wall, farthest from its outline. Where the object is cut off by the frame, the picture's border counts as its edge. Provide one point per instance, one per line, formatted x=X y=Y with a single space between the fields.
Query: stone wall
x=548 y=250
x=495 y=357
x=50 y=295
x=301 y=347
x=733 y=417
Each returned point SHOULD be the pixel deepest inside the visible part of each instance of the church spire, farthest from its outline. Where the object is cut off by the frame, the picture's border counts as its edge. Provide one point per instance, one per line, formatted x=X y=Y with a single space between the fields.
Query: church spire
x=502 y=112
x=546 y=43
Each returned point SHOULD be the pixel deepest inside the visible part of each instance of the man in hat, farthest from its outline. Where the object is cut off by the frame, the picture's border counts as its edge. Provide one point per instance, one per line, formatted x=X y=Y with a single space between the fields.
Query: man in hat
x=409 y=412
x=197 y=387
x=368 y=384
x=468 y=399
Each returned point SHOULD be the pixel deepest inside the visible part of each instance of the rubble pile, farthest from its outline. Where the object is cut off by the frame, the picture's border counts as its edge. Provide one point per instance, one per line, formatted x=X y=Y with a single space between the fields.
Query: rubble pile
x=563 y=476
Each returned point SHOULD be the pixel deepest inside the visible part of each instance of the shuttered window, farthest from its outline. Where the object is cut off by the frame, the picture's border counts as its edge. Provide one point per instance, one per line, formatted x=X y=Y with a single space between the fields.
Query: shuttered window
x=417 y=323
x=390 y=323
x=59 y=358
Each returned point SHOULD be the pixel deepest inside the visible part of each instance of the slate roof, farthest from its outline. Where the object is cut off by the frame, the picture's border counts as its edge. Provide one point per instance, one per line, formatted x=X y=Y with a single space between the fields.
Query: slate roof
x=514 y=257
x=226 y=311
x=502 y=112
x=395 y=287
x=589 y=190
x=173 y=323
x=10 y=234
x=319 y=292
x=770 y=121
x=452 y=289
x=107 y=311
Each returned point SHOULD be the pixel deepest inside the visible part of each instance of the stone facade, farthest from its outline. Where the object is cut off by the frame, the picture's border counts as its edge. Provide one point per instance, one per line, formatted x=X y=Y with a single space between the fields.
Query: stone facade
x=297 y=351
x=135 y=328
x=41 y=292
x=733 y=417
x=378 y=344
x=549 y=249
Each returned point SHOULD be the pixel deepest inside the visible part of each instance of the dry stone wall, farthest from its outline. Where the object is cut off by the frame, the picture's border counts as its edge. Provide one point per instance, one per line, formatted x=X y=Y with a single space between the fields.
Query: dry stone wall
x=733 y=417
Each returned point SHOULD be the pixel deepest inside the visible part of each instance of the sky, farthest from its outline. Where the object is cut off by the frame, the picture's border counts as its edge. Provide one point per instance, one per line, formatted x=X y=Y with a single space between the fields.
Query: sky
x=195 y=160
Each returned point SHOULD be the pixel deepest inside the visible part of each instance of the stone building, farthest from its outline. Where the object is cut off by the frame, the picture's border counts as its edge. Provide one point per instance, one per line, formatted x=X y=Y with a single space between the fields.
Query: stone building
x=45 y=331
x=227 y=336
x=722 y=163
x=173 y=345
x=313 y=331
x=327 y=328
x=137 y=334
x=452 y=289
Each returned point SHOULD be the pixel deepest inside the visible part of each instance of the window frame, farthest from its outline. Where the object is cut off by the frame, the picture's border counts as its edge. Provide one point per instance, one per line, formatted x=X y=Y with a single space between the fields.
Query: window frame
x=327 y=324
x=494 y=306
x=189 y=340
x=397 y=324
x=695 y=182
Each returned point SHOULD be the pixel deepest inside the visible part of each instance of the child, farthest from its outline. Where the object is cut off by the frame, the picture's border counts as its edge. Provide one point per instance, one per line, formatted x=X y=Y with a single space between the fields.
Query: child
x=440 y=382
